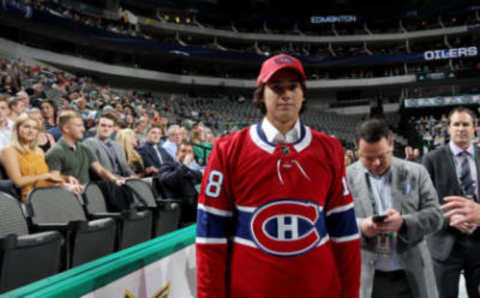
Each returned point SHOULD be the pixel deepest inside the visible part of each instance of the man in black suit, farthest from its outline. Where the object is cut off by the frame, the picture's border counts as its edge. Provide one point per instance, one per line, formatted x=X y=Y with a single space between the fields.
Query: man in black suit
x=454 y=169
x=152 y=153
x=177 y=180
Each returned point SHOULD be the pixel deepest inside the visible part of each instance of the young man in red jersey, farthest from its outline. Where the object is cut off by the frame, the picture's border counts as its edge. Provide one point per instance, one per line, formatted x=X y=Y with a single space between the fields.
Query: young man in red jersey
x=275 y=215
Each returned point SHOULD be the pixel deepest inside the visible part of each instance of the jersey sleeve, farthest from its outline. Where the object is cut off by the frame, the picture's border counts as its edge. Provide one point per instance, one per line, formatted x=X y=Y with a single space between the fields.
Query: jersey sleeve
x=343 y=230
x=213 y=221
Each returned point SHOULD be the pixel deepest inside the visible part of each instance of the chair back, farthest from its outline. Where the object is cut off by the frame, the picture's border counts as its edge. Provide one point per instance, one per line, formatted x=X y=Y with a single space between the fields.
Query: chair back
x=12 y=219
x=144 y=190
x=54 y=204
x=95 y=201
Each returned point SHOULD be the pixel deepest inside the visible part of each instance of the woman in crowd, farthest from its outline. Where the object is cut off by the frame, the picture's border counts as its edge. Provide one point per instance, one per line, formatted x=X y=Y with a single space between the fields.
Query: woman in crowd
x=45 y=140
x=8 y=85
x=128 y=141
x=49 y=112
x=25 y=162
x=129 y=121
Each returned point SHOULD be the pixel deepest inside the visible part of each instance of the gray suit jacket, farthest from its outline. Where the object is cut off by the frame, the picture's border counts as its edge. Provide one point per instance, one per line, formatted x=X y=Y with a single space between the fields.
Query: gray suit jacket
x=415 y=197
x=99 y=148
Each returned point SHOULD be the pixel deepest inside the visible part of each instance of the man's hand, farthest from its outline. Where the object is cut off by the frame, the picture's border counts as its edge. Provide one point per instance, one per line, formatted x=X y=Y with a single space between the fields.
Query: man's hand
x=392 y=223
x=369 y=228
x=151 y=170
x=71 y=180
x=53 y=176
x=188 y=159
x=119 y=181
x=469 y=210
x=463 y=227
x=75 y=188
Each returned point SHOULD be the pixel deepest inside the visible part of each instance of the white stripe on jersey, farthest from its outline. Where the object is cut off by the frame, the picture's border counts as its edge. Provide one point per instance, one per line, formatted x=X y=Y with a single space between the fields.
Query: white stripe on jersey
x=246 y=208
x=204 y=240
x=323 y=240
x=346 y=238
x=215 y=211
x=244 y=241
x=340 y=209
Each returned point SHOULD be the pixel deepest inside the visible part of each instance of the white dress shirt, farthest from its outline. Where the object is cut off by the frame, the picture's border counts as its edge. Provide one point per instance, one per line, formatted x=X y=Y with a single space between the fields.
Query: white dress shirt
x=274 y=136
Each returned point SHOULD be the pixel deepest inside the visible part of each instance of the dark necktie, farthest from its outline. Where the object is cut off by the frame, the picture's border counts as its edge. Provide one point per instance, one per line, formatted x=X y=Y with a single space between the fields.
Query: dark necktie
x=466 y=180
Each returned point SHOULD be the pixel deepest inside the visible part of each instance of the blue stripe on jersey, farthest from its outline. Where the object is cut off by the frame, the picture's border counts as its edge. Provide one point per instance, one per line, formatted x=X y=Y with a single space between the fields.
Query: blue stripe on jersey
x=242 y=228
x=210 y=225
x=342 y=224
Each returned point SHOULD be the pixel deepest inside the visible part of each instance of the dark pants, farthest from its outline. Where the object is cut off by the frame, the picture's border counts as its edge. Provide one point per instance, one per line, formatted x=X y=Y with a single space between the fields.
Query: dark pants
x=465 y=256
x=391 y=284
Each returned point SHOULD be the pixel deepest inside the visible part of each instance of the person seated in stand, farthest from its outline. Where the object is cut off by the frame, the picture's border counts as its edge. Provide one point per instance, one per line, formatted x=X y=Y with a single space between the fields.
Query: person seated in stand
x=108 y=152
x=25 y=163
x=177 y=180
x=49 y=112
x=128 y=141
x=17 y=107
x=152 y=152
x=175 y=135
x=72 y=158
x=6 y=125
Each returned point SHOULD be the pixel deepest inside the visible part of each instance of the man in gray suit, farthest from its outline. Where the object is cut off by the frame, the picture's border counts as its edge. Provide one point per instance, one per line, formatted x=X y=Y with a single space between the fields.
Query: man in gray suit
x=108 y=152
x=454 y=169
x=396 y=206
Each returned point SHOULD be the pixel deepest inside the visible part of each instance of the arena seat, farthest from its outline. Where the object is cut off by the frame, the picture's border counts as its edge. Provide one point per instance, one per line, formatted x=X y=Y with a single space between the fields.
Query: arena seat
x=166 y=213
x=25 y=257
x=56 y=208
x=133 y=226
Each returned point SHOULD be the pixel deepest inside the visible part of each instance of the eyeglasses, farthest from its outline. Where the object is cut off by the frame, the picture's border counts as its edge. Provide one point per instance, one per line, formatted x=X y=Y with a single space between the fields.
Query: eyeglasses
x=382 y=157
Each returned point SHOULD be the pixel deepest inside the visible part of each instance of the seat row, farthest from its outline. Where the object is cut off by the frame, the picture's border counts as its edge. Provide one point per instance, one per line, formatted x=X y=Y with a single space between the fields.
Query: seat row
x=57 y=229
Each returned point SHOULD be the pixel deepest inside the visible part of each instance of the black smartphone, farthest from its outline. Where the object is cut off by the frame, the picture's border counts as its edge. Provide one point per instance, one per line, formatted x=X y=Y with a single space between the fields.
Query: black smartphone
x=379 y=218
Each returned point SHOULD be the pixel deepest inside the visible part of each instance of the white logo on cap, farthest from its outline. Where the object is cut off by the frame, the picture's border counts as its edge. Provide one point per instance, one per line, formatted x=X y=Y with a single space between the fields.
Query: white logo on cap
x=284 y=60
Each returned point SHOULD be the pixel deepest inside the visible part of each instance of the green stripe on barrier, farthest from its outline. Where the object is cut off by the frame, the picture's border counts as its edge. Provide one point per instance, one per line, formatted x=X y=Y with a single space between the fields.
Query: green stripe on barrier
x=86 y=278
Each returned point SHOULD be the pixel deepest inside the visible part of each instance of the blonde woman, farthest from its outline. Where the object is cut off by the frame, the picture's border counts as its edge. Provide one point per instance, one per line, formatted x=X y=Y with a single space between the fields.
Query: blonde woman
x=127 y=139
x=25 y=163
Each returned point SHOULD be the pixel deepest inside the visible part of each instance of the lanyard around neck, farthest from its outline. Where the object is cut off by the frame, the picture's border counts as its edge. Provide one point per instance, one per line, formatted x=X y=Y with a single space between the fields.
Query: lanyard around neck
x=378 y=192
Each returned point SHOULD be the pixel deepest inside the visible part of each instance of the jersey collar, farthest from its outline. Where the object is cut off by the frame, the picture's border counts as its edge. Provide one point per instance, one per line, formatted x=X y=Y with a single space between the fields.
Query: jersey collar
x=260 y=139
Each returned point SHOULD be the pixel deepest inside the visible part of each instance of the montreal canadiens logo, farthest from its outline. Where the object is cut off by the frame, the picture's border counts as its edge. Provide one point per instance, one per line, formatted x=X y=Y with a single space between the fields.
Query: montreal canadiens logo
x=287 y=227
x=284 y=60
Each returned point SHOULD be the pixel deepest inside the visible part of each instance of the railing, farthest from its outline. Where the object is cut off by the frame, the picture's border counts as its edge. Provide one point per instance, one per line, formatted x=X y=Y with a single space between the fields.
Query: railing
x=99 y=275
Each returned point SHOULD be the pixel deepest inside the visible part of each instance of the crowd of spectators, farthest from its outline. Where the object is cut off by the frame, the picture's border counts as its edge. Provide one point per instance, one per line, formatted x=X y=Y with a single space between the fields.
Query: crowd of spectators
x=433 y=131
x=31 y=111
x=98 y=20
x=123 y=27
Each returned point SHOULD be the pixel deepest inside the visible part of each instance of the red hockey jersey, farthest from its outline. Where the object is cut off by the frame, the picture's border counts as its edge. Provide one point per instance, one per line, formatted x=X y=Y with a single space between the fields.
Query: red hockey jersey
x=276 y=220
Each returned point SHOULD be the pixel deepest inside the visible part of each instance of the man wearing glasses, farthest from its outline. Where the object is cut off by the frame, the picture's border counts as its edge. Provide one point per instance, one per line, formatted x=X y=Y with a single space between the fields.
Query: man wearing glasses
x=396 y=206
x=454 y=171
x=275 y=215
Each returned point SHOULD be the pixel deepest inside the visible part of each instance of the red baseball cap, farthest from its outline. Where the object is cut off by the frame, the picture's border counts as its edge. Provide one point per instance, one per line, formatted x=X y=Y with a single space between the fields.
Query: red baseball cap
x=279 y=62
